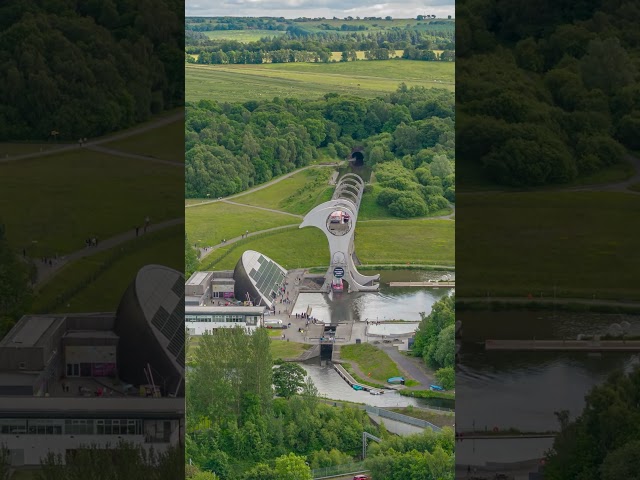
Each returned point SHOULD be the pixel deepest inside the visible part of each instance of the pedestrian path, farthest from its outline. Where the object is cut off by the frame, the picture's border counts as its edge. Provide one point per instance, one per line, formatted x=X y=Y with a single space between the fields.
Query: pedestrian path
x=46 y=271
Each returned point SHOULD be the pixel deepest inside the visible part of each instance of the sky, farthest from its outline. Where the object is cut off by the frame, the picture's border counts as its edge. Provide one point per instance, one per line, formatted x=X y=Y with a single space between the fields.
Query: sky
x=319 y=8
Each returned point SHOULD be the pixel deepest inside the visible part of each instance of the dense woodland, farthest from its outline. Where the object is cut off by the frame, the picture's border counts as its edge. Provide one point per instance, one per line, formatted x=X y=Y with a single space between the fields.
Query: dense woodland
x=236 y=429
x=87 y=68
x=435 y=340
x=407 y=136
x=604 y=442
x=547 y=91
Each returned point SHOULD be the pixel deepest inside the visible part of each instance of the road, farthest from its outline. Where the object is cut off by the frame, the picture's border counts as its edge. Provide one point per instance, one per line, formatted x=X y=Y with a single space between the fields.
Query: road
x=410 y=367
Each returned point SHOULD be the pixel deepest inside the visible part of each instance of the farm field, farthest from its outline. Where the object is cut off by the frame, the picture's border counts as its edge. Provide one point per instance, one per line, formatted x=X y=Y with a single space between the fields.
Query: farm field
x=508 y=226
x=421 y=241
x=297 y=194
x=82 y=182
x=104 y=293
x=312 y=80
x=208 y=225
x=165 y=142
x=244 y=36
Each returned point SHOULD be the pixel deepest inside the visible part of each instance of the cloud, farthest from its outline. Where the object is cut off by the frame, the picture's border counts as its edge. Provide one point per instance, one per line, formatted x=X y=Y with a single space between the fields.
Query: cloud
x=319 y=8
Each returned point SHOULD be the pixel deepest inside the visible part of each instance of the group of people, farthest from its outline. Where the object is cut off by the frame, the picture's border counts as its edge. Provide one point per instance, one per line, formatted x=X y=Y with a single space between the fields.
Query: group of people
x=147 y=221
x=91 y=242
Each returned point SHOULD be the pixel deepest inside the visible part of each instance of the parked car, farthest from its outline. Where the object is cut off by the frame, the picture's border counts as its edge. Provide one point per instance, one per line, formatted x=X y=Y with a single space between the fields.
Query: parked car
x=362 y=477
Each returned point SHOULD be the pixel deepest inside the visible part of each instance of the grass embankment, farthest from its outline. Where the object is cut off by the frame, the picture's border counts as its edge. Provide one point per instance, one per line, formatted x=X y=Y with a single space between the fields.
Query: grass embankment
x=428 y=394
x=165 y=142
x=370 y=79
x=96 y=283
x=211 y=223
x=439 y=419
x=517 y=244
x=297 y=194
x=60 y=200
x=371 y=361
x=282 y=349
x=371 y=210
x=425 y=241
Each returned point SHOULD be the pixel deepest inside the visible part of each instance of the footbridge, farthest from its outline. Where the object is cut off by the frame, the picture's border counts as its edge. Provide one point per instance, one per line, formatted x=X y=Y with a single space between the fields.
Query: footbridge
x=337 y=219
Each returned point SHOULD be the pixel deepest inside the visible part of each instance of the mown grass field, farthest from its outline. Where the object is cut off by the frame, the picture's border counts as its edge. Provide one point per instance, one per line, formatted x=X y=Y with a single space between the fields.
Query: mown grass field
x=297 y=194
x=234 y=83
x=52 y=204
x=165 y=142
x=208 y=225
x=515 y=244
x=421 y=241
x=243 y=36
x=8 y=150
x=371 y=361
x=283 y=349
x=163 y=247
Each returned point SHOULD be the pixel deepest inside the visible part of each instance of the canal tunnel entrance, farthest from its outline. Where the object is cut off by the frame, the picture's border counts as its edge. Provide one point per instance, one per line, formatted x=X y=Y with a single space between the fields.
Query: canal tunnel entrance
x=358 y=157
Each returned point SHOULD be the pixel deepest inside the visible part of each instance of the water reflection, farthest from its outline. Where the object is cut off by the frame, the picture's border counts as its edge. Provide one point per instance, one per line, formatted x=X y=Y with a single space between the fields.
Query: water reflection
x=390 y=303
x=332 y=386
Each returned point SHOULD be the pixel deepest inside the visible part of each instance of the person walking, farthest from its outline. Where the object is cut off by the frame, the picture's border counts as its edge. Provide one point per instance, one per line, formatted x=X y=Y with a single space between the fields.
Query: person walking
x=137 y=230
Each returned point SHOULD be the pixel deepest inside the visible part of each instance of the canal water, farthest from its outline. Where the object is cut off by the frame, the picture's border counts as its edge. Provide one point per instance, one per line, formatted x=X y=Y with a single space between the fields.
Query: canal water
x=331 y=385
x=523 y=389
x=390 y=303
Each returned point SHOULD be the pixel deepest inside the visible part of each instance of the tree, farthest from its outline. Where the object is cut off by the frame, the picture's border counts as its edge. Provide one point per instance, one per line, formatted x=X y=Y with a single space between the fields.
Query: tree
x=288 y=379
x=446 y=377
x=292 y=467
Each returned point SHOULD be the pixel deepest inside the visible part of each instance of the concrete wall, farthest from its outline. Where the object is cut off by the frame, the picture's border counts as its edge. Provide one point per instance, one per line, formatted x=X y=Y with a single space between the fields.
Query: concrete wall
x=399 y=428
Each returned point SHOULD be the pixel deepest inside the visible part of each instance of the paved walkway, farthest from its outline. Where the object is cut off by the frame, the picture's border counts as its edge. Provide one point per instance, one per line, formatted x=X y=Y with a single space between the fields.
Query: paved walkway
x=205 y=251
x=263 y=185
x=46 y=272
x=557 y=301
x=119 y=153
x=263 y=208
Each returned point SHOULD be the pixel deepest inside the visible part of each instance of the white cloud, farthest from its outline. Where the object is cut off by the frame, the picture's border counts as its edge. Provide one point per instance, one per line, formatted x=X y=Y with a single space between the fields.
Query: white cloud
x=319 y=8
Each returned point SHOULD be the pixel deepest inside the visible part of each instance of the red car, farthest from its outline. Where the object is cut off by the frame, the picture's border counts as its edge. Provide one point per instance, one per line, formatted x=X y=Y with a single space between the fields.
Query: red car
x=362 y=477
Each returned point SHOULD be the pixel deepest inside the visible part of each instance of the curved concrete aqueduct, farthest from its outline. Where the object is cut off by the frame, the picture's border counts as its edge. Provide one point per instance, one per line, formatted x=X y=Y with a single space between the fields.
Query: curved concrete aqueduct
x=346 y=199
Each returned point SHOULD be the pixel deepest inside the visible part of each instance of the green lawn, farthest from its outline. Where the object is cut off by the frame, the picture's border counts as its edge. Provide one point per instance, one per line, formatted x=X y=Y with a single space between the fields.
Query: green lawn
x=513 y=244
x=423 y=242
x=164 y=247
x=371 y=361
x=210 y=224
x=55 y=202
x=371 y=210
x=13 y=149
x=634 y=187
x=165 y=142
x=312 y=80
x=377 y=242
x=283 y=349
x=297 y=194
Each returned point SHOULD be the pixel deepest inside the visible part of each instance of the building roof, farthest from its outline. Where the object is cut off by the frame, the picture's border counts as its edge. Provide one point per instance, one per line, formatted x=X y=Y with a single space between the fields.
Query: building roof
x=30 y=330
x=198 y=278
x=265 y=274
x=224 y=281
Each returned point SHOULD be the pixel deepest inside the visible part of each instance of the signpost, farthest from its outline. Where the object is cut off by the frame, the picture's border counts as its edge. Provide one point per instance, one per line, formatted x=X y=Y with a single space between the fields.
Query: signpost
x=338 y=272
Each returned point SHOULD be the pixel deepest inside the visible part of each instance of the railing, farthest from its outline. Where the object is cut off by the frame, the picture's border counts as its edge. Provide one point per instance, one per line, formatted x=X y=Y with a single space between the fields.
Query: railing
x=347 y=468
x=398 y=417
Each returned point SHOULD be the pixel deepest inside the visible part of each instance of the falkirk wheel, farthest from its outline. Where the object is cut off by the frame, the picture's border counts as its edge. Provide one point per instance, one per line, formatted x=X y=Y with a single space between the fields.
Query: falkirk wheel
x=337 y=219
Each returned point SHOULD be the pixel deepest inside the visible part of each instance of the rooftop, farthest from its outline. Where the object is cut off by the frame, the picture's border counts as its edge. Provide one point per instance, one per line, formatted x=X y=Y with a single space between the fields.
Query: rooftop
x=30 y=330
x=198 y=278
